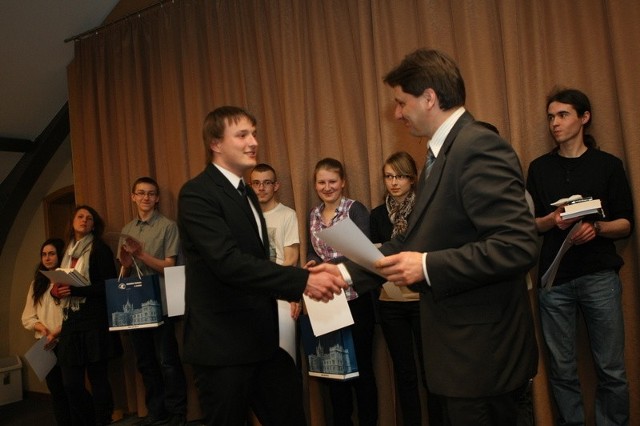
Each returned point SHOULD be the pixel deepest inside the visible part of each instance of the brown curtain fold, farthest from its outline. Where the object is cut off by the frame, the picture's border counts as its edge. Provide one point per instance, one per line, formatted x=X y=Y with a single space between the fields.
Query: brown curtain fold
x=312 y=73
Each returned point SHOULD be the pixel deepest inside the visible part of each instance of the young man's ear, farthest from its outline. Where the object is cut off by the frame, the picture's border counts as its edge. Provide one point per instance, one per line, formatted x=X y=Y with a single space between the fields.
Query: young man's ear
x=585 y=117
x=276 y=186
x=214 y=145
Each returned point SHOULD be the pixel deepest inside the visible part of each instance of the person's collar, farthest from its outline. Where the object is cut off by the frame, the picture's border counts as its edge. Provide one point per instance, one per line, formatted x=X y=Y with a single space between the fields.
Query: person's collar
x=231 y=177
x=152 y=217
x=440 y=135
x=271 y=205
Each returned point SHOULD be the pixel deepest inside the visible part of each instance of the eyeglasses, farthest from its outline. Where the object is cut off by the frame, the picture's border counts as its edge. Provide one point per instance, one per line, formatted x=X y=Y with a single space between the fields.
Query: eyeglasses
x=258 y=183
x=399 y=178
x=142 y=194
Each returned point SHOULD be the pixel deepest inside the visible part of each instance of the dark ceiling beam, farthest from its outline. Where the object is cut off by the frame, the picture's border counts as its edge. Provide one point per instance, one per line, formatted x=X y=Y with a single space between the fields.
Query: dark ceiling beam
x=15 y=145
x=16 y=186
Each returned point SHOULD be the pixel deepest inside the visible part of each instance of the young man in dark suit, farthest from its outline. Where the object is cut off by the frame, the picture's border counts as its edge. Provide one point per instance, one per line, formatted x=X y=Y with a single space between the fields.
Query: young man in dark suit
x=231 y=322
x=469 y=244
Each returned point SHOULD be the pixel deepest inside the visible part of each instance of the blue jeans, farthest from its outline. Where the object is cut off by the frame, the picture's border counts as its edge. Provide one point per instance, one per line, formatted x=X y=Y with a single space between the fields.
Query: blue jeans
x=159 y=364
x=599 y=297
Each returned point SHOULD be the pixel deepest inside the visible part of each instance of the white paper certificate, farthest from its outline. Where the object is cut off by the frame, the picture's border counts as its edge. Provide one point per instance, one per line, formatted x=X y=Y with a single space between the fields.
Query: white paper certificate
x=547 y=278
x=40 y=359
x=346 y=238
x=328 y=316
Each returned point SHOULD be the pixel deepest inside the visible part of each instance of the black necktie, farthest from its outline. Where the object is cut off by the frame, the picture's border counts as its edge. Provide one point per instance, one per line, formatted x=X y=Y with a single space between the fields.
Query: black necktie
x=242 y=189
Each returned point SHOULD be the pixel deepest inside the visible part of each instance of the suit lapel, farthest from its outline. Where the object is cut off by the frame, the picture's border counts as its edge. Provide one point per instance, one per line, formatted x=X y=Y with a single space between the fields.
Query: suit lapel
x=427 y=188
x=234 y=195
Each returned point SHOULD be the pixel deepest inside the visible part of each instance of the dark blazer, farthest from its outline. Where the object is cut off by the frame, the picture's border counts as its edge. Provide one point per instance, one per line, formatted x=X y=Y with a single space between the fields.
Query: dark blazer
x=472 y=219
x=231 y=285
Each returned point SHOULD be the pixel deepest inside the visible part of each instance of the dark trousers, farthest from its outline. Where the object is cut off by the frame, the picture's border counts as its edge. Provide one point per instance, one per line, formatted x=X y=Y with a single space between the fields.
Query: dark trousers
x=365 y=384
x=93 y=408
x=158 y=361
x=400 y=322
x=496 y=410
x=272 y=388
x=59 y=399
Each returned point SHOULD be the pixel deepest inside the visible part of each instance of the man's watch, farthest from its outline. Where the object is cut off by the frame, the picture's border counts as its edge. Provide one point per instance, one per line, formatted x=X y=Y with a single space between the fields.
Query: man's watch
x=596 y=227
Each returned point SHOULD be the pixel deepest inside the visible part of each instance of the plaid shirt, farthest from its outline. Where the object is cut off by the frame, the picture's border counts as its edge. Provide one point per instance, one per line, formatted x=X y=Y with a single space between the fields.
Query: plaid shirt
x=324 y=251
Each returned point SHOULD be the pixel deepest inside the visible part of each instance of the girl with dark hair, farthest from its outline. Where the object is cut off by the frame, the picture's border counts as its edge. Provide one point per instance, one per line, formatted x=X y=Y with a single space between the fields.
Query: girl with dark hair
x=43 y=314
x=85 y=343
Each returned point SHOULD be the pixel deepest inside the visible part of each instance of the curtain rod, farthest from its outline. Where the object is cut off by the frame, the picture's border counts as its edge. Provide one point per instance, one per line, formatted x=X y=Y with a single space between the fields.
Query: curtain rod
x=96 y=30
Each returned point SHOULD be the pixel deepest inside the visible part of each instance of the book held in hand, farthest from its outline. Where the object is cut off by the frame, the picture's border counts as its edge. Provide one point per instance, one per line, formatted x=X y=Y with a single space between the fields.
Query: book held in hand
x=67 y=276
x=582 y=207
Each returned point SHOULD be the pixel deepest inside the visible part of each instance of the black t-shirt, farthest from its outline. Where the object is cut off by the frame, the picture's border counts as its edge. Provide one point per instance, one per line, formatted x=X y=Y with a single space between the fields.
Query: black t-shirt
x=594 y=174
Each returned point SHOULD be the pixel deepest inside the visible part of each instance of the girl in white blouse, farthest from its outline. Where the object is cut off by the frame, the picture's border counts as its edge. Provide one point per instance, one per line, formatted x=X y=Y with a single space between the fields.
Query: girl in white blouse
x=43 y=314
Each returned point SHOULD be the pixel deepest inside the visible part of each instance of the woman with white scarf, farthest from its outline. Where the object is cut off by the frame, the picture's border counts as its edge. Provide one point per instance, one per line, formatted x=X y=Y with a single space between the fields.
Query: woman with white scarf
x=400 y=313
x=85 y=344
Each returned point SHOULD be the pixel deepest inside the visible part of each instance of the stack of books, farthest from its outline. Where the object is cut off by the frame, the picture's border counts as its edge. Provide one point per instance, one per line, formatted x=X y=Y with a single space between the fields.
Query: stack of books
x=582 y=207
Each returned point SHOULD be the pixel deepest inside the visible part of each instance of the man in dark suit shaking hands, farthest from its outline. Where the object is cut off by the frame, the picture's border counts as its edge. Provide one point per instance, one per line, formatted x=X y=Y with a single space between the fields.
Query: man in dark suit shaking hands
x=469 y=243
x=231 y=320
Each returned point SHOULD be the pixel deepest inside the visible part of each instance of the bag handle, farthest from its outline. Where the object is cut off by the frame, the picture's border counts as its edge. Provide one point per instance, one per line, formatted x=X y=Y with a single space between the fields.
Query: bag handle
x=137 y=270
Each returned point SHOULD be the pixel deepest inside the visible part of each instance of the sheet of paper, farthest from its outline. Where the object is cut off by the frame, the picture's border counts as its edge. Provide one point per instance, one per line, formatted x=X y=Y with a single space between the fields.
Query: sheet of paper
x=328 y=316
x=287 y=328
x=547 y=278
x=346 y=238
x=40 y=359
x=172 y=288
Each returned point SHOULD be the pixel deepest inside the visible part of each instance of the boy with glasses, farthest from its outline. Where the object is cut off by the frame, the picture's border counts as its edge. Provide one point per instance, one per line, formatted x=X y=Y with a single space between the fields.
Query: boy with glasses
x=156 y=349
x=284 y=240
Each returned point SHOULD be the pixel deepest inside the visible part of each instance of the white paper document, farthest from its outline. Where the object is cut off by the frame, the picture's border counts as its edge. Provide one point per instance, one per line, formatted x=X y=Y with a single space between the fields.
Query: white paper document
x=346 y=238
x=547 y=279
x=287 y=328
x=40 y=359
x=172 y=289
x=328 y=316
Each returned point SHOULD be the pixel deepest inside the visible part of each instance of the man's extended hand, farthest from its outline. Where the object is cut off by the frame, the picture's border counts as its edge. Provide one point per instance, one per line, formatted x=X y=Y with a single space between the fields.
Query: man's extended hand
x=404 y=268
x=323 y=285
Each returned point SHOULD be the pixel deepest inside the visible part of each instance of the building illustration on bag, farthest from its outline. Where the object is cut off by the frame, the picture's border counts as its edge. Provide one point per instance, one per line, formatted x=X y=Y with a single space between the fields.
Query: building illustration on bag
x=149 y=312
x=331 y=355
x=334 y=361
x=136 y=303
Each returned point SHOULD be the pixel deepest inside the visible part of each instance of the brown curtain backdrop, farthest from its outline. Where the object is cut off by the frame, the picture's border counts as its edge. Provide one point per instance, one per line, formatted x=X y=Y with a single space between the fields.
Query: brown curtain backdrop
x=312 y=73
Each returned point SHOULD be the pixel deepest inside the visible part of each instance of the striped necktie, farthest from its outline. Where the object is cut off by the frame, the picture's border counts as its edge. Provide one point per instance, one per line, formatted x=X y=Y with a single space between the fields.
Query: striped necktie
x=431 y=159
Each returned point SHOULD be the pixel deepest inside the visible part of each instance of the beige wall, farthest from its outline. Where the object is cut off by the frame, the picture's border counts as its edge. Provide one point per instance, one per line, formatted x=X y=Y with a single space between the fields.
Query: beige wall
x=20 y=257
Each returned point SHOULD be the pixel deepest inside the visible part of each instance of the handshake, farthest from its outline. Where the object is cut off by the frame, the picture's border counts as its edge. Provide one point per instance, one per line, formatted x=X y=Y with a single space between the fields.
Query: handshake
x=326 y=280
